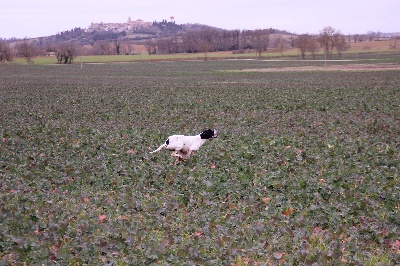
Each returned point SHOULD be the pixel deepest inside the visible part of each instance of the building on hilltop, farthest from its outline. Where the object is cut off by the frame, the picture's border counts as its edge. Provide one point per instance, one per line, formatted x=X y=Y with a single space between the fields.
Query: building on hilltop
x=119 y=27
x=139 y=23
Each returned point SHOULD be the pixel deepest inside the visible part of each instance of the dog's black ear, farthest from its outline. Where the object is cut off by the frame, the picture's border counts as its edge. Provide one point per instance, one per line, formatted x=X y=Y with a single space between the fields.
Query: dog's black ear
x=207 y=134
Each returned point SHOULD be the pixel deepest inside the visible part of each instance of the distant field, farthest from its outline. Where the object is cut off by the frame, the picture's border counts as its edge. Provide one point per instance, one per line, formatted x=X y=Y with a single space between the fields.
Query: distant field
x=305 y=170
x=356 y=51
x=366 y=46
x=146 y=57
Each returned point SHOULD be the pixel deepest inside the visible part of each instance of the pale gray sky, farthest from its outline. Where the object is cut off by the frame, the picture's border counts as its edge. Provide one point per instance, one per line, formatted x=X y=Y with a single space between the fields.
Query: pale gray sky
x=28 y=18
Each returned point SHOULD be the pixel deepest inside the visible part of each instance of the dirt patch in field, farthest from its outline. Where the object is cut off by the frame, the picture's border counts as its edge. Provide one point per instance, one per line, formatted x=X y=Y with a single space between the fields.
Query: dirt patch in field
x=352 y=67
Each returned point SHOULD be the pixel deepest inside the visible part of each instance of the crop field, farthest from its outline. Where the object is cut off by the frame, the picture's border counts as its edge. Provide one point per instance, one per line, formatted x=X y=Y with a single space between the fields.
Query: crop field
x=305 y=170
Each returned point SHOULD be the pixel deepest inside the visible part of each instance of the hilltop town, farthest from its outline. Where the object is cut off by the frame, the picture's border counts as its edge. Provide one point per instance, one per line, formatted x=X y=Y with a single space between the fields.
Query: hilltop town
x=130 y=25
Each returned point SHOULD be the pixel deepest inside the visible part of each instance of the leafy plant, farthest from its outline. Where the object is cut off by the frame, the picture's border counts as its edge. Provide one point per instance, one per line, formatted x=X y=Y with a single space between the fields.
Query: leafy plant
x=305 y=169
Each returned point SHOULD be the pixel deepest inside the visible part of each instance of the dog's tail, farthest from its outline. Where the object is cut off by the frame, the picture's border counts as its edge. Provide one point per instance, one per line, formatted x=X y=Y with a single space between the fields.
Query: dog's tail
x=161 y=147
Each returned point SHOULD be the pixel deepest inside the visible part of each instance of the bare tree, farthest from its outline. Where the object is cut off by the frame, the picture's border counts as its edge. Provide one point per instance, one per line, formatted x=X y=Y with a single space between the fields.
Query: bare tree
x=245 y=39
x=207 y=41
x=128 y=46
x=202 y=40
x=302 y=43
x=372 y=35
x=66 y=53
x=167 y=45
x=27 y=50
x=103 y=48
x=360 y=38
x=280 y=43
x=260 y=41
x=307 y=43
x=190 y=41
x=340 y=43
x=313 y=46
x=117 y=47
x=292 y=41
x=205 y=47
x=233 y=39
x=326 y=39
x=393 y=43
x=5 y=52
x=151 y=46
x=225 y=40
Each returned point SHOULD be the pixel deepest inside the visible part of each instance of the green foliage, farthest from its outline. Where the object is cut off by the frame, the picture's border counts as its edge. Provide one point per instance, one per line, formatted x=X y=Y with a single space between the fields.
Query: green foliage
x=304 y=171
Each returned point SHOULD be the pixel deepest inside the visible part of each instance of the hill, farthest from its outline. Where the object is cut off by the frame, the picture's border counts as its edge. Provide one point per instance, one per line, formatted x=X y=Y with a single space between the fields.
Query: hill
x=137 y=31
x=168 y=37
x=163 y=37
x=132 y=30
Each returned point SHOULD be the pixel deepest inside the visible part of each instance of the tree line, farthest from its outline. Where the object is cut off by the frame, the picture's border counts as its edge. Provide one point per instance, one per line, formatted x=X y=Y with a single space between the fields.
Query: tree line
x=197 y=40
x=329 y=40
x=210 y=40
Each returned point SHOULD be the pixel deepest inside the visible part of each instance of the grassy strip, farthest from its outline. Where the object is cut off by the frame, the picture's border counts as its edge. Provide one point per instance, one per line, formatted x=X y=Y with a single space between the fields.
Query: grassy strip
x=289 y=54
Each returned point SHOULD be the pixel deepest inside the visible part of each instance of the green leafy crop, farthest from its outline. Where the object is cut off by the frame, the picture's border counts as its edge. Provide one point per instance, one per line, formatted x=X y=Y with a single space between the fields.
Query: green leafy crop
x=305 y=170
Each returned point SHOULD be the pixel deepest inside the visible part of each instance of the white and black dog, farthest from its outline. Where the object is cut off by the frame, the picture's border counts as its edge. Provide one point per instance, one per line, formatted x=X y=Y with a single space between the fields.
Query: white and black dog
x=183 y=145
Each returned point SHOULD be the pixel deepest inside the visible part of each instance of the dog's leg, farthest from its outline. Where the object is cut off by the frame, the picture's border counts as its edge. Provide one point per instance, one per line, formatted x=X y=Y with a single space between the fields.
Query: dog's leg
x=177 y=154
x=187 y=155
x=178 y=160
x=178 y=157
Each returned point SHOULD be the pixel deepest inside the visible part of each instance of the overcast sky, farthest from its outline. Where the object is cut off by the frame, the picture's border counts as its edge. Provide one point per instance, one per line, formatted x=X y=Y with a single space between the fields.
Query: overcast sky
x=36 y=18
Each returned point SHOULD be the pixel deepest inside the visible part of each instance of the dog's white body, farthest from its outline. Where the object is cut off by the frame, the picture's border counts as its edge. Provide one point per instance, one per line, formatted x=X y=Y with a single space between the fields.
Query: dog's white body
x=183 y=146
